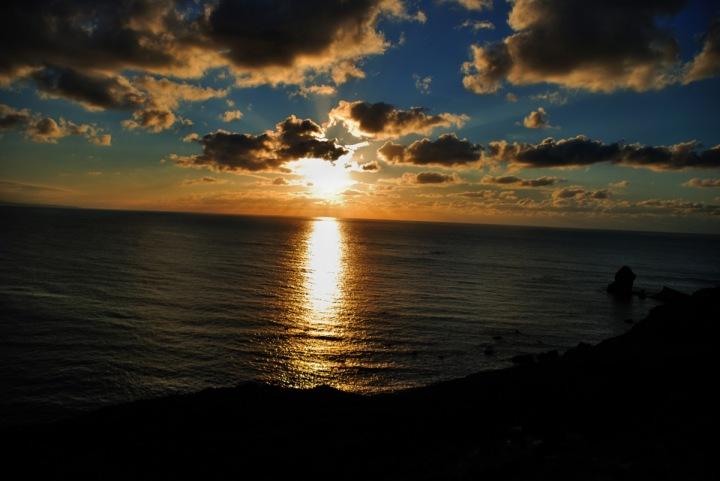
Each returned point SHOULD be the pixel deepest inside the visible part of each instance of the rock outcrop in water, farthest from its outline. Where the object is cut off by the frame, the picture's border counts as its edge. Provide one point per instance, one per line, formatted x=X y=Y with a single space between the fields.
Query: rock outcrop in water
x=640 y=406
x=622 y=286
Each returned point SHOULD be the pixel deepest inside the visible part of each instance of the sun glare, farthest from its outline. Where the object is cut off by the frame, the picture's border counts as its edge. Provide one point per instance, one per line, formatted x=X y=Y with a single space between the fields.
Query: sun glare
x=326 y=180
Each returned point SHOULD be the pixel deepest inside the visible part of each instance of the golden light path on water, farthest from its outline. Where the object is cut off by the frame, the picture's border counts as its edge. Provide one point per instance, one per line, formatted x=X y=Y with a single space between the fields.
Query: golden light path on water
x=321 y=337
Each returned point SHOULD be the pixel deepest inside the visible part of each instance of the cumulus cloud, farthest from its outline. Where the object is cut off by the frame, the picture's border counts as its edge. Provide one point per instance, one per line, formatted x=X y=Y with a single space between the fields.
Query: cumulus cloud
x=292 y=139
x=231 y=115
x=515 y=181
x=153 y=120
x=259 y=41
x=447 y=150
x=280 y=42
x=581 y=151
x=537 y=119
x=153 y=100
x=46 y=129
x=707 y=63
x=696 y=182
x=383 y=121
x=594 y=45
x=370 y=167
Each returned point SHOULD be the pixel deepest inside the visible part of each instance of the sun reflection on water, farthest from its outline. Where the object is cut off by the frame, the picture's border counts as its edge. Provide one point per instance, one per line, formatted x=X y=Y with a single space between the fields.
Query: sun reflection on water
x=324 y=272
x=318 y=342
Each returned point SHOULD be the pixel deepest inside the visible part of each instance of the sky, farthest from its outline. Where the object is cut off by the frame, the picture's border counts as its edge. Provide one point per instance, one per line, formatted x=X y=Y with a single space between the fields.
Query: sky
x=594 y=114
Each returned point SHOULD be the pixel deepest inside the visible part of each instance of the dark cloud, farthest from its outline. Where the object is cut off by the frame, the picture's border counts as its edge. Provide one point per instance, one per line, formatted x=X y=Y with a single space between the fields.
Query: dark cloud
x=433 y=178
x=87 y=35
x=580 y=151
x=260 y=41
x=287 y=42
x=595 y=45
x=370 y=167
x=512 y=180
x=95 y=91
x=46 y=129
x=707 y=63
x=384 y=121
x=447 y=150
x=153 y=100
x=292 y=139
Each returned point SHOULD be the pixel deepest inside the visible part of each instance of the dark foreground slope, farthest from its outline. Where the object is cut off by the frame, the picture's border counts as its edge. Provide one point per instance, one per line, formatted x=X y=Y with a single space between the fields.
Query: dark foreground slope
x=640 y=406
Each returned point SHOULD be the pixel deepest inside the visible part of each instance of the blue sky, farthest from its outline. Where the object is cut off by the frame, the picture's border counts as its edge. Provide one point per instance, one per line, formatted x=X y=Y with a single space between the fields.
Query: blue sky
x=146 y=145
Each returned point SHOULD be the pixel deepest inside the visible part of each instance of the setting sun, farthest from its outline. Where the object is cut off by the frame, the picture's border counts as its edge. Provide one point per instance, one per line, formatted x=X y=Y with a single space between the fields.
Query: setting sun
x=325 y=179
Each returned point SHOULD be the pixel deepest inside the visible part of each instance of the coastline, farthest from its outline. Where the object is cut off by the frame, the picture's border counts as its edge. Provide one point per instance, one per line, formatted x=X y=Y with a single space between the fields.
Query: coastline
x=636 y=406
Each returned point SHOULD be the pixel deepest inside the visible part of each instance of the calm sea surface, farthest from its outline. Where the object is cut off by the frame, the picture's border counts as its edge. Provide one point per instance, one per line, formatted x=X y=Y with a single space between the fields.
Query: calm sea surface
x=100 y=307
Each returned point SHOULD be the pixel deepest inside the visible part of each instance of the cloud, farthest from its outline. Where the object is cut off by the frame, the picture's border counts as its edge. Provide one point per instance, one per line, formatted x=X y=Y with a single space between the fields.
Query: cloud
x=203 y=181
x=93 y=91
x=475 y=5
x=231 y=115
x=695 y=182
x=707 y=63
x=292 y=139
x=447 y=150
x=578 y=195
x=555 y=97
x=434 y=178
x=512 y=180
x=46 y=129
x=537 y=119
x=594 y=45
x=370 y=167
x=150 y=119
x=8 y=185
x=382 y=121
x=279 y=181
x=680 y=206
x=423 y=84
x=259 y=41
x=153 y=100
x=477 y=25
x=279 y=42
x=581 y=151
x=323 y=89
x=620 y=184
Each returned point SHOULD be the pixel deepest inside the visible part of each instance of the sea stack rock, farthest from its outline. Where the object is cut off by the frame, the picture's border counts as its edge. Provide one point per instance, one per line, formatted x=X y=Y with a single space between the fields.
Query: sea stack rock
x=622 y=286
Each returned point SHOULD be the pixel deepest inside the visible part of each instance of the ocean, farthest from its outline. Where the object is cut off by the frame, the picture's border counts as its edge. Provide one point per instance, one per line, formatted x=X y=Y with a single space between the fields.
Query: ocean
x=102 y=307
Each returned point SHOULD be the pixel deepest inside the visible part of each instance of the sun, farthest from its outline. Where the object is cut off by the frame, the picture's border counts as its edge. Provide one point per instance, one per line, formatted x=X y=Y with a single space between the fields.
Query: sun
x=326 y=180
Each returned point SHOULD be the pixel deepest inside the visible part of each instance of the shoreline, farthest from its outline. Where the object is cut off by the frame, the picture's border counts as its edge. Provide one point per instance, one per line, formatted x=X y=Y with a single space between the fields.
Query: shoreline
x=636 y=406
